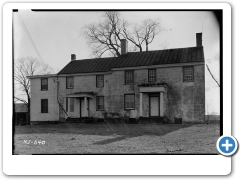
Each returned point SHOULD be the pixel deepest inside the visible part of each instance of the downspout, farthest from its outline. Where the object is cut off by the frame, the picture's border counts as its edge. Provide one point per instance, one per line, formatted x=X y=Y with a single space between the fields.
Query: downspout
x=58 y=98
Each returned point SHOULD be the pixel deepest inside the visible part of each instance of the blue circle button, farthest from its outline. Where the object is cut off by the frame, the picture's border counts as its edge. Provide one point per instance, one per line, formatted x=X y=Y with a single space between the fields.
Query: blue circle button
x=227 y=145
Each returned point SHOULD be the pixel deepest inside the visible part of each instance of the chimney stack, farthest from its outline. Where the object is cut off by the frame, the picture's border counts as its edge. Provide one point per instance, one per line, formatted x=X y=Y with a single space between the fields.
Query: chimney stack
x=199 y=39
x=73 y=57
x=124 y=46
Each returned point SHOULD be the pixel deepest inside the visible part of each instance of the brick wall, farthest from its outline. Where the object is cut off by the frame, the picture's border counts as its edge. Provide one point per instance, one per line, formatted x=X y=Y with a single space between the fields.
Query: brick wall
x=181 y=100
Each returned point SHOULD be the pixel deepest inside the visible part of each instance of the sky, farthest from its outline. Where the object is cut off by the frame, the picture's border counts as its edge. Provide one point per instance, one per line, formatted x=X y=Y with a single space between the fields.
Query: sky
x=57 y=35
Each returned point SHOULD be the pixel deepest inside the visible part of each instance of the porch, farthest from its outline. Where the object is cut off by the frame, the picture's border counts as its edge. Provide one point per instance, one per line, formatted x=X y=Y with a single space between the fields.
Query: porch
x=155 y=93
x=78 y=105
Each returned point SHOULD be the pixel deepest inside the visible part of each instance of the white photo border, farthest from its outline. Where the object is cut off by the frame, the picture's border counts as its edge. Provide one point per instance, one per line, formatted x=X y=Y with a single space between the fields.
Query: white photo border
x=112 y=164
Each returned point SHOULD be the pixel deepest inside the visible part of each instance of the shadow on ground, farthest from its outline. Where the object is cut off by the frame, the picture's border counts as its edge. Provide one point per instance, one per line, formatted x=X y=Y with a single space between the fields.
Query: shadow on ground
x=112 y=140
x=103 y=129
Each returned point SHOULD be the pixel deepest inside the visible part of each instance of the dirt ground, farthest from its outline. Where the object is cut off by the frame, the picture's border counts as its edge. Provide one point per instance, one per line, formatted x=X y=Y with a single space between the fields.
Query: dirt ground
x=79 y=138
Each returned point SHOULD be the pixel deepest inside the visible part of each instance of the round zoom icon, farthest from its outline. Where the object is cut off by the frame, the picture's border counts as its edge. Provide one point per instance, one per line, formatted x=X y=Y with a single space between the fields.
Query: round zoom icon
x=227 y=145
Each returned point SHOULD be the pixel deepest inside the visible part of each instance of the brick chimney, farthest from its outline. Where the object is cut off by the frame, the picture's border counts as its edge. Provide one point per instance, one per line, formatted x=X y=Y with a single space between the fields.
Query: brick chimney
x=124 y=46
x=199 y=39
x=73 y=57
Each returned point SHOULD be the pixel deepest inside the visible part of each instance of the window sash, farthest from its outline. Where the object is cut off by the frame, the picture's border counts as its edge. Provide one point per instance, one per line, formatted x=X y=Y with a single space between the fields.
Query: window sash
x=44 y=106
x=71 y=105
x=69 y=82
x=44 y=84
x=152 y=75
x=100 y=103
x=188 y=75
x=129 y=77
x=100 y=81
x=129 y=101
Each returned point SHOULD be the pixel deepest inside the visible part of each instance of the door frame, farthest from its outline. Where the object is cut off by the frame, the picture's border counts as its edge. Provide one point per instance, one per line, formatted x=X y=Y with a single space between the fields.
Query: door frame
x=154 y=95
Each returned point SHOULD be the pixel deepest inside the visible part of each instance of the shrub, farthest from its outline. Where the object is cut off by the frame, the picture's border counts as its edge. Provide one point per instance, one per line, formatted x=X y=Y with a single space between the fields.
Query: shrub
x=115 y=117
x=166 y=120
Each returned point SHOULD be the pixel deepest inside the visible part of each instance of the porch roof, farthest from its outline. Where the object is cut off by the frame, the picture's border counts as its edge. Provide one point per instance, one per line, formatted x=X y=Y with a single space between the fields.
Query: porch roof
x=152 y=87
x=81 y=94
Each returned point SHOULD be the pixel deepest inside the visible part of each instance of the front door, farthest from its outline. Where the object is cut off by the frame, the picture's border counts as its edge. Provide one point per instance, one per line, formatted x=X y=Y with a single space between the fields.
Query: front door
x=82 y=108
x=154 y=106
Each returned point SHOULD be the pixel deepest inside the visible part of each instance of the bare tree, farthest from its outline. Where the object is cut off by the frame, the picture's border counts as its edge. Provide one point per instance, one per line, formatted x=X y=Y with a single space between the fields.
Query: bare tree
x=142 y=34
x=28 y=67
x=105 y=36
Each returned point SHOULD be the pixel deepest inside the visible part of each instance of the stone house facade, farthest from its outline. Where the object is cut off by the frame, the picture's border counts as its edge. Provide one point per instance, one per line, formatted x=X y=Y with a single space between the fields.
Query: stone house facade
x=166 y=83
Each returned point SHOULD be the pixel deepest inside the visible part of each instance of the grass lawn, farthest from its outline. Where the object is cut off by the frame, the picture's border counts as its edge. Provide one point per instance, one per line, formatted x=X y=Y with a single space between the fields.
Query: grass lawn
x=79 y=138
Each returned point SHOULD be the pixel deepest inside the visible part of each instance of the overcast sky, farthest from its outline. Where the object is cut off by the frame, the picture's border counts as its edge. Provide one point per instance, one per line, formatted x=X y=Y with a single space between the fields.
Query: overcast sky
x=57 y=35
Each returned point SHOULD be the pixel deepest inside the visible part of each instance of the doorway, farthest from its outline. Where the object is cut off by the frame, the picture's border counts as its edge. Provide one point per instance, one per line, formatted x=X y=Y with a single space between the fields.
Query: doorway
x=154 y=105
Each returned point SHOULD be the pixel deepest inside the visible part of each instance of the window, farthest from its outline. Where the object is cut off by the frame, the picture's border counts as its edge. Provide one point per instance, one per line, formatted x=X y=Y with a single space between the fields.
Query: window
x=100 y=103
x=44 y=105
x=129 y=101
x=188 y=75
x=71 y=104
x=100 y=81
x=44 y=84
x=129 y=77
x=152 y=75
x=69 y=82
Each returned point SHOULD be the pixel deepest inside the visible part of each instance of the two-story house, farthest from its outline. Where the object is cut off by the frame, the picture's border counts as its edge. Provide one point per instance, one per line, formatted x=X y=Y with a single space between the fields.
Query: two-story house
x=150 y=84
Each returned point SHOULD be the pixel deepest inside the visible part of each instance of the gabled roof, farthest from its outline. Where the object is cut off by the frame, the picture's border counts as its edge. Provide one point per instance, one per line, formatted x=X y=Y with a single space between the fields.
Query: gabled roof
x=20 y=107
x=133 y=59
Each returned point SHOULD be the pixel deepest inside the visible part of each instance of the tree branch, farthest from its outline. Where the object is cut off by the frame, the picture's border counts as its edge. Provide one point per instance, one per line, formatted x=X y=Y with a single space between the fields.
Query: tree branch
x=212 y=76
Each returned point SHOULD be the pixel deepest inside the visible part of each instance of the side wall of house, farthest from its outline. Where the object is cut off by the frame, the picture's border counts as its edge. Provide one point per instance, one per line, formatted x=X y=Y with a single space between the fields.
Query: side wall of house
x=184 y=100
x=181 y=99
x=37 y=95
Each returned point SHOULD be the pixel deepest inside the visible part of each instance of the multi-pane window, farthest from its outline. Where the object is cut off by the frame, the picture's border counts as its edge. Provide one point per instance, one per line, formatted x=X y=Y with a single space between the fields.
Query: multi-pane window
x=100 y=103
x=129 y=77
x=44 y=105
x=129 y=101
x=188 y=74
x=152 y=75
x=69 y=82
x=100 y=81
x=44 y=84
x=71 y=104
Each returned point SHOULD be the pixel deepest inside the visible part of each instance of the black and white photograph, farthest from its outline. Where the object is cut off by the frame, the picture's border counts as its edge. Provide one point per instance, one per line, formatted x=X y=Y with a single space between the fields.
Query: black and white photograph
x=116 y=82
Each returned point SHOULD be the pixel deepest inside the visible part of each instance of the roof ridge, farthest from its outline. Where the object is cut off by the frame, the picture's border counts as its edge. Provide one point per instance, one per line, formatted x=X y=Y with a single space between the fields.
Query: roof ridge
x=136 y=52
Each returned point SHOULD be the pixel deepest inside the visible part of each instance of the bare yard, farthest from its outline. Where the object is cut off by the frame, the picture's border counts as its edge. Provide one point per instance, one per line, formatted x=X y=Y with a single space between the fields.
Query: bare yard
x=79 y=138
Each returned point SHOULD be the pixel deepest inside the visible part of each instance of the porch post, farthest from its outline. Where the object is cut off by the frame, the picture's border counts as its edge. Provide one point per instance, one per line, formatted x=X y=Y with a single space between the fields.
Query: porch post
x=85 y=106
x=140 y=110
x=161 y=103
x=68 y=104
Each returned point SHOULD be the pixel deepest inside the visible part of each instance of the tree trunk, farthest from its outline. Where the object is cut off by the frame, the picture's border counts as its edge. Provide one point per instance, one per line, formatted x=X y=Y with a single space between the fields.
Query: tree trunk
x=28 y=114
